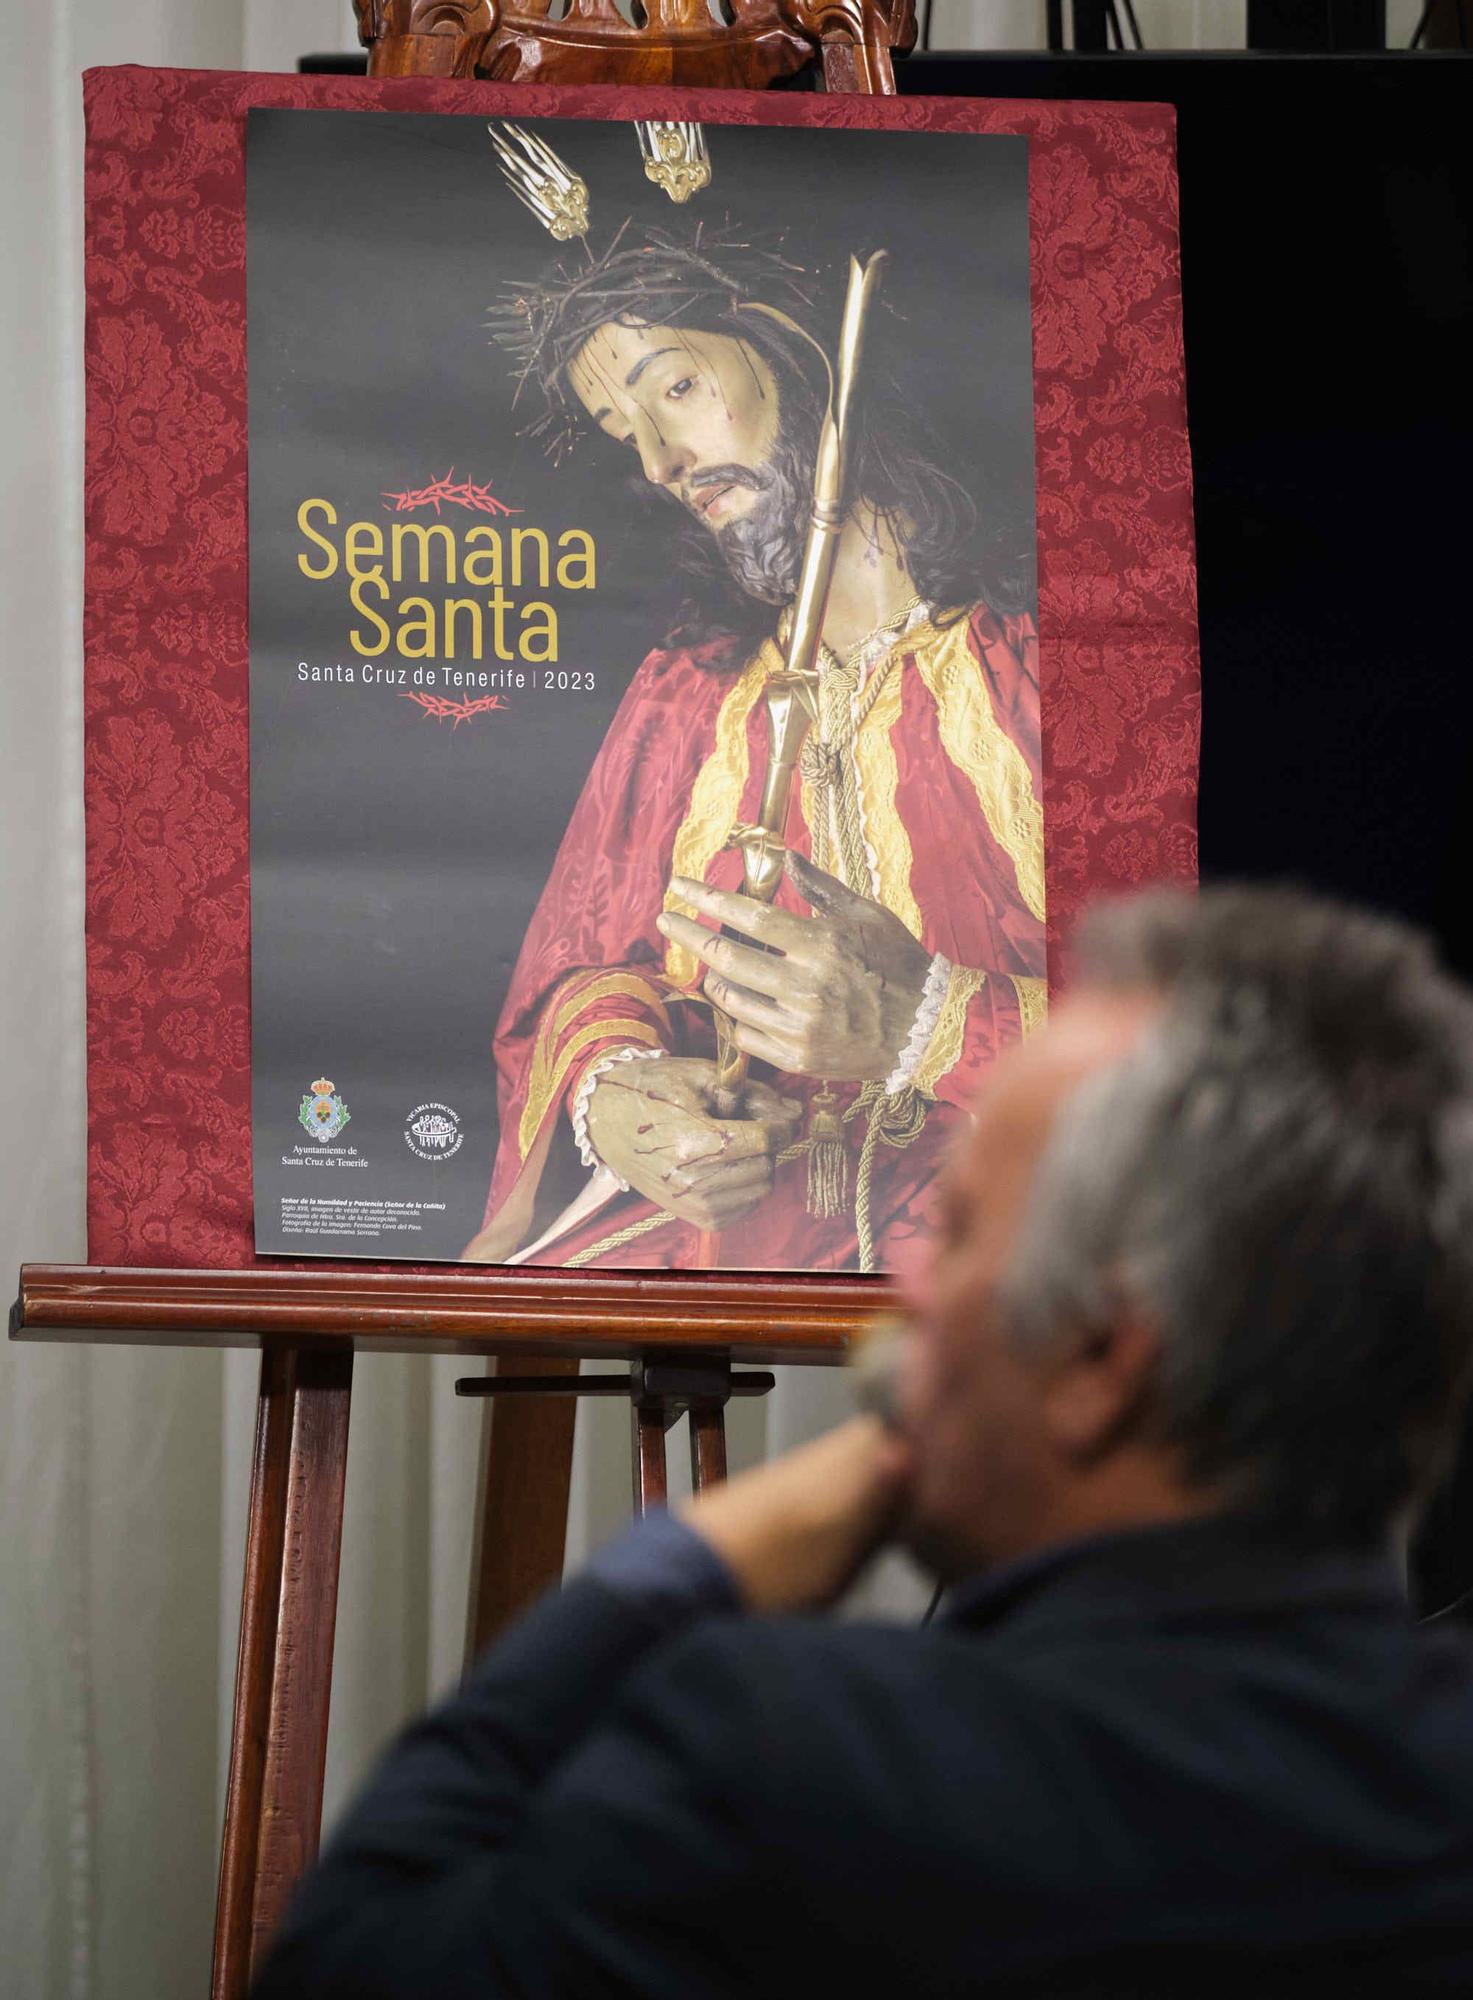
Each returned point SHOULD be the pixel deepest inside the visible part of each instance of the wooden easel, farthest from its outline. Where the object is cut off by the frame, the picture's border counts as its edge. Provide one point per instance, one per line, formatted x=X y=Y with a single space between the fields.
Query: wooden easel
x=677 y=1335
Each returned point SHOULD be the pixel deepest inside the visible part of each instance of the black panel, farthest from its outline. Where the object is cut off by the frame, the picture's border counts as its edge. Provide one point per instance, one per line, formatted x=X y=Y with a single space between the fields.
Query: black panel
x=1328 y=306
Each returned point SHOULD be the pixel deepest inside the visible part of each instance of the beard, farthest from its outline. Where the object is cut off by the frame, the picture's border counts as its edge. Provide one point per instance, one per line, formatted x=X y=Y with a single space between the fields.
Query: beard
x=763 y=549
x=761 y=553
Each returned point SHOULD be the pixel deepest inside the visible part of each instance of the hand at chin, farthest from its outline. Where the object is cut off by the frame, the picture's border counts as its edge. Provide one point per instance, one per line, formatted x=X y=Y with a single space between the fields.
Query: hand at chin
x=795 y=1532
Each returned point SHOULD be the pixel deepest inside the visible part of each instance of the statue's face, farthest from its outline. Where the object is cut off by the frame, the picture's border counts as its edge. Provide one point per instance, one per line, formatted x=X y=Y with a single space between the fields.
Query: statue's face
x=701 y=410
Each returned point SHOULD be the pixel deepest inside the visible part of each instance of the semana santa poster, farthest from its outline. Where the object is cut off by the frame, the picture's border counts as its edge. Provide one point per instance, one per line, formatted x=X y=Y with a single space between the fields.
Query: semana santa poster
x=529 y=509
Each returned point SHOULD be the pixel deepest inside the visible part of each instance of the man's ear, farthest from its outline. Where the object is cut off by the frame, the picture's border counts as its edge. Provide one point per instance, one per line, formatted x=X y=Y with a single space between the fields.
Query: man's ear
x=1099 y=1391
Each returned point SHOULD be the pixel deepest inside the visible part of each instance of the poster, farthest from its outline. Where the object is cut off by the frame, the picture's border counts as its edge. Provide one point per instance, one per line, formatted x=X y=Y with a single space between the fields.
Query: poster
x=528 y=516
x=398 y=886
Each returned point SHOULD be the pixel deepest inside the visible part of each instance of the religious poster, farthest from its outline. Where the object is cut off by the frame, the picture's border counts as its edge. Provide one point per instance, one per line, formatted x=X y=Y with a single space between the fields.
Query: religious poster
x=719 y=602
x=537 y=442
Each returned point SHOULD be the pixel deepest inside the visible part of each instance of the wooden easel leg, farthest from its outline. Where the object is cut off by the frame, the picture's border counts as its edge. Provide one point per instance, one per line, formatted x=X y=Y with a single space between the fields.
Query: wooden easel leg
x=278 y=1747
x=707 y=1445
x=650 y=1419
x=661 y=1390
x=521 y=1507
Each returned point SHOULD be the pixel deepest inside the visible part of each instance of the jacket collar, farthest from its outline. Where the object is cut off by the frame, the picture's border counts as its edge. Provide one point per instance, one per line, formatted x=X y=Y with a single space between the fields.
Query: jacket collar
x=1219 y=1567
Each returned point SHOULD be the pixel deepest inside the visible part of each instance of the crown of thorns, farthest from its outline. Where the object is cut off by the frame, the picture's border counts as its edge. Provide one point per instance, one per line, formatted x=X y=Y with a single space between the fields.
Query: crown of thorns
x=656 y=279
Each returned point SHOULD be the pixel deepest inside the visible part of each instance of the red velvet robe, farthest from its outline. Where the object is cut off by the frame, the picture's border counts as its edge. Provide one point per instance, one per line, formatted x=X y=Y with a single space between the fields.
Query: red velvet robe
x=948 y=773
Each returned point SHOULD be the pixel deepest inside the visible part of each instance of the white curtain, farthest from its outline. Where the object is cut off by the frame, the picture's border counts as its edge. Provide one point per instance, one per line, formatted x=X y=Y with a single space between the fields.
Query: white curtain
x=124 y=1473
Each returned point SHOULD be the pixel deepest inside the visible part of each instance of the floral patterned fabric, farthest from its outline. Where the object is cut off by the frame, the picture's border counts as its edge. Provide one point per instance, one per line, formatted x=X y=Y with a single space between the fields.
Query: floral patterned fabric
x=169 y=1179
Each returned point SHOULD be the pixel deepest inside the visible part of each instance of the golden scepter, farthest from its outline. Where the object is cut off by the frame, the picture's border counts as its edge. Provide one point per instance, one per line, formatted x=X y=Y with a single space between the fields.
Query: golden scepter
x=791 y=696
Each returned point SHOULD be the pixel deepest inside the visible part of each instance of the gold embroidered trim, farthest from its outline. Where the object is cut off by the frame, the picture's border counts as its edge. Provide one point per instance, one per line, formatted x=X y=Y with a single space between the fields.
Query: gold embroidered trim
x=544 y=1088
x=564 y=1004
x=944 y=1049
x=625 y=985
x=877 y=778
x=981 y=748
x=1032 y=995
x=557 y=1009
x=716 y=797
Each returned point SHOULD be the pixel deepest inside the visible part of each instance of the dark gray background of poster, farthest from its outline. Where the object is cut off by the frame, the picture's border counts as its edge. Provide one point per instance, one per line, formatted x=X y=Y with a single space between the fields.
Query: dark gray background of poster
x=395 y=860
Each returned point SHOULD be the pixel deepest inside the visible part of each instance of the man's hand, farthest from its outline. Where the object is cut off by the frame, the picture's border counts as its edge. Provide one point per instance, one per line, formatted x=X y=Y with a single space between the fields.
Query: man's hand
x=794 y=1533
x=834 y=995
x=651 y=1122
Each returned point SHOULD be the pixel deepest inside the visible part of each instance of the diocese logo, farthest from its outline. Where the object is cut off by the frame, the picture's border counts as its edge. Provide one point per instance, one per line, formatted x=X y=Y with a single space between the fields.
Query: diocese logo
x=432 y=1131
x=323 y=1112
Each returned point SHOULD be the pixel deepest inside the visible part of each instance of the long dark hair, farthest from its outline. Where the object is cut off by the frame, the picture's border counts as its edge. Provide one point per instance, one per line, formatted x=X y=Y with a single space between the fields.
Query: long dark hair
x=706 y=282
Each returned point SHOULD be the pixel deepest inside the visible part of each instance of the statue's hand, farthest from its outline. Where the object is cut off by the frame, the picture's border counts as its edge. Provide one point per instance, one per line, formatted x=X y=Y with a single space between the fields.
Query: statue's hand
x=651 y=1123
x=834 y=995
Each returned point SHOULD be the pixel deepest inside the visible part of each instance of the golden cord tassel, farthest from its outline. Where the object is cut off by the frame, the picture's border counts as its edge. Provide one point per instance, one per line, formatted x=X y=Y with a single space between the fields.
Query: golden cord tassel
x=828 y=1156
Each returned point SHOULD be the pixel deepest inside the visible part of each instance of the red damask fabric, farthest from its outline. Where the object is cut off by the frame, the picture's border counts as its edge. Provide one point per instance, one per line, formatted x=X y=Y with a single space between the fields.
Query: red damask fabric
x=168 y=906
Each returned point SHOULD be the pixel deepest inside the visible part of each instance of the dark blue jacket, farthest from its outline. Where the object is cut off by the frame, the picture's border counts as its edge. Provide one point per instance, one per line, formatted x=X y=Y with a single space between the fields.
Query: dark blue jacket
x=1178 y=1762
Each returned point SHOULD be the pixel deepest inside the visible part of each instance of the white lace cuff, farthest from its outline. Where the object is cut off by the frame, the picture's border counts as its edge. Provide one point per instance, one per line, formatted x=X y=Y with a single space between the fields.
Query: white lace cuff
x=922 y=1027
x=585 y=1092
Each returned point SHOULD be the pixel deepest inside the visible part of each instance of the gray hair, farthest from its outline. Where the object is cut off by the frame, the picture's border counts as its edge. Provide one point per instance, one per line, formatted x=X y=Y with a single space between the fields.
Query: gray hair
x=1279 y=1175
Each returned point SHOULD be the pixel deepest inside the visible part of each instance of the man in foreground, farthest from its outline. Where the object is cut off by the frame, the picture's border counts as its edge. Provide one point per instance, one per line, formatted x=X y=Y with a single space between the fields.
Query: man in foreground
x=1190 y=1349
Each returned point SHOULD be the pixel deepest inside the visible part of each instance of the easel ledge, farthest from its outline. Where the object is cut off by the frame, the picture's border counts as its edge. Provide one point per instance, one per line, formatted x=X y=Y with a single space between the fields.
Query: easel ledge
x=754 y=1316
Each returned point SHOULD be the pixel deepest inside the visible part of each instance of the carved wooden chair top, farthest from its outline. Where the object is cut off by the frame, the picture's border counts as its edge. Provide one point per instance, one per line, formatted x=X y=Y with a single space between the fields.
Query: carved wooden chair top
x=749 y=44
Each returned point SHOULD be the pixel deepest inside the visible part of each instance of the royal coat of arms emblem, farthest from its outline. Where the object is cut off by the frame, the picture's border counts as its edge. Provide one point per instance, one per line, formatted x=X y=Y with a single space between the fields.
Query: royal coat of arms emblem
x=323 y=1113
